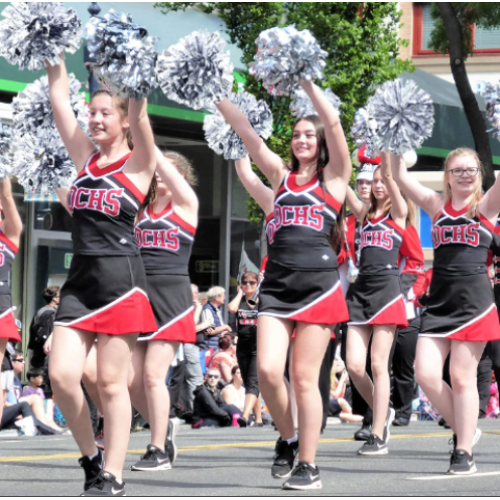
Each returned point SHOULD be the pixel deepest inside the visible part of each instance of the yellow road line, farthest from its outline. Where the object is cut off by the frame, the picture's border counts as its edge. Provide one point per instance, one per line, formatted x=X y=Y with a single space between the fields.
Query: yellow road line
x=258 y=444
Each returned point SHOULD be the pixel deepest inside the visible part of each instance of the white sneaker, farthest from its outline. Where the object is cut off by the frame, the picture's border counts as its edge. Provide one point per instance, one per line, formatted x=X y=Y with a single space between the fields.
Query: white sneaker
x=27 y=426
x=477 y=436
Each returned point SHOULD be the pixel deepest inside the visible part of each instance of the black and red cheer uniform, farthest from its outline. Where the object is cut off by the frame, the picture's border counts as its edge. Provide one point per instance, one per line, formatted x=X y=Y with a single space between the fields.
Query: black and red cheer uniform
x=8 y=328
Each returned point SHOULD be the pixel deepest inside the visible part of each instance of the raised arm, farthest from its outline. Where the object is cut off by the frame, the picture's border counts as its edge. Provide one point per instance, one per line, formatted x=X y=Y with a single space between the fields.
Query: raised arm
x=424 y=197
x=234 y=305
x=62 y=195
x=271 y=165
x=399 y=209
x=490 y=204
x=12 y=225
x=262 y=194
x=340 y=165
x=78 y=144
x=357 y=207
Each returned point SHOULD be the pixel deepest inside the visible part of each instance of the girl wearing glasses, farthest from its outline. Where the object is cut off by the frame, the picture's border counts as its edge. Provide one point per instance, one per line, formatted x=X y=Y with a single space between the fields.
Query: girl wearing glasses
x=460 y=316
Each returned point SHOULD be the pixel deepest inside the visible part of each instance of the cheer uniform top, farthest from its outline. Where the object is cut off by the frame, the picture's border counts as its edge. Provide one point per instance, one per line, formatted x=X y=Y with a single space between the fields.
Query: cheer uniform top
x=460 y=305
x=8 y=328
x=165 y=241
x=301 y=281
x=375 y=298
x=106 y=287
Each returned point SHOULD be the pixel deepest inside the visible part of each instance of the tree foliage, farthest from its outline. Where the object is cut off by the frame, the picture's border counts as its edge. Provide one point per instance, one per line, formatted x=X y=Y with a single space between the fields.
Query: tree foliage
x=361 y=38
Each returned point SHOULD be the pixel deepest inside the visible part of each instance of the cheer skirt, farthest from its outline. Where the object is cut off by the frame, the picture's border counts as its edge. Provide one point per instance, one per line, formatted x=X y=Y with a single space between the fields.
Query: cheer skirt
x=106 y=295
x=172 y=301
x=461 y=308
x=8 y=328
x=306 y=296
x=376 y=300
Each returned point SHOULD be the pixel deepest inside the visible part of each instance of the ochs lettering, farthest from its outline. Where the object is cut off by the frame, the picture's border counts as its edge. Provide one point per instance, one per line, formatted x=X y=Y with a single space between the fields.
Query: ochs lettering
x=2 y=256
x=270 y=231
x=307 y=216
x=466 y=234
x=381 y=239
x=158 y=238
x=101 y=200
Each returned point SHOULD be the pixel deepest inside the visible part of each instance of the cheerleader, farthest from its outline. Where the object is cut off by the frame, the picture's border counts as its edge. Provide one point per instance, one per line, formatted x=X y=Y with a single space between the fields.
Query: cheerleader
x=104 y=296
x=460 y=315
x=301 y=289
x=165 y=234
x=10 y=232
x=376 y=305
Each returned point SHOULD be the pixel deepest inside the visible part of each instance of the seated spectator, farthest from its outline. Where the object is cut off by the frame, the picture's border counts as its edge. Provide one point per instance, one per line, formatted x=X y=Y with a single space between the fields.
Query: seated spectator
x=224 y=359
x=210 y=409
x=212 y=315
x=234 y=392
x=492 y=410
x=35 y=380
x=339 y=407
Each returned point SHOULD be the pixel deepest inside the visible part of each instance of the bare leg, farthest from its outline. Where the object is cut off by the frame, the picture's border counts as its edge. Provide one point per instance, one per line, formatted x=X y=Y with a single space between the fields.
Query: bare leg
x=383 y=337
x=309 y=350
x=273 y=336
x=257 y=410
x=36 y=404
x=430 y=358
x=250 y=400
x=136 y=385
x=464 y=359
x=291 y=390
x=3 y=344
x=89 y=378
x=66 y=364
x=358 y=338
x=114 y=354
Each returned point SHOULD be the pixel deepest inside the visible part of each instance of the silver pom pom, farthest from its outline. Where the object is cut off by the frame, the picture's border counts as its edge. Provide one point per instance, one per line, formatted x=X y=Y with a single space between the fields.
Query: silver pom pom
x=33 y=32
x=302 y=106
x=404 y=116
x=32 y=111
x=196 y=71
x=364 y=132
x=6 y=138
x=286 y=55
x=224 y=140
x=492 y=98
x=353 y=271
x=42 y=165
x=124 y=53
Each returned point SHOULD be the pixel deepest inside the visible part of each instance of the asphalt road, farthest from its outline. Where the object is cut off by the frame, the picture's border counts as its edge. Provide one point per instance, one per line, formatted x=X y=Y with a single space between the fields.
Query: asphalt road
x=236 y=462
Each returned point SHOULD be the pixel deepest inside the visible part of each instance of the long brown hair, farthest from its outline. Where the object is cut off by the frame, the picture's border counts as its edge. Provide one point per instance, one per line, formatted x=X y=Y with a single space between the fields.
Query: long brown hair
x=122 y=106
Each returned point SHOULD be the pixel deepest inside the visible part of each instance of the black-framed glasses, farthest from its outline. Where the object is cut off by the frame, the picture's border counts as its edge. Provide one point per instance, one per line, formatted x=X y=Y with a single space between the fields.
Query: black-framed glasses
x=459 y=172
x=248 y=283
x=213 y=376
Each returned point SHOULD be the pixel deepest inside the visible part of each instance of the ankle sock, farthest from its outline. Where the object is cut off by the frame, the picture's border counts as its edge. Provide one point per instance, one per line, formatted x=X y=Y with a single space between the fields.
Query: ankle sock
x=293 y=440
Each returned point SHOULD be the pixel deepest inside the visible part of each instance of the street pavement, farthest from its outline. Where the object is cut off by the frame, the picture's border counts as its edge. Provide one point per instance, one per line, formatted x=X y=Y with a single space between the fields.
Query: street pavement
x=236 y=462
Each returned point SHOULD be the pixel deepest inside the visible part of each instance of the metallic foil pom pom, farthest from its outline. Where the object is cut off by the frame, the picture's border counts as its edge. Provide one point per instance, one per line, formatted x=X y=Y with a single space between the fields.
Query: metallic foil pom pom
x=364 y=132
x=492 y=99
x=6 y=138
x=302 y=106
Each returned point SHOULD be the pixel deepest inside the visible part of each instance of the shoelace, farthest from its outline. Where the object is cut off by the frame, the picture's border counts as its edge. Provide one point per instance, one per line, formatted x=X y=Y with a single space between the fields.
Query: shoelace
x=301 y=470
x=371 y=439
x=150 y=454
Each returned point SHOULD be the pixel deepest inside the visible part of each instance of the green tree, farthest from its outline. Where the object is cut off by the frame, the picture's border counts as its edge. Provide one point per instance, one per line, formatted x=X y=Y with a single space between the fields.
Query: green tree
x=452 y=34
x=361 y=38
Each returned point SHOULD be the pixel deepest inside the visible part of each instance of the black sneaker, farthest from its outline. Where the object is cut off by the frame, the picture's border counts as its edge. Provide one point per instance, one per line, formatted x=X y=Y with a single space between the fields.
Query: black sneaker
x=387 y=429
x=242 y=422
x=170 y=446
x=461 y=463
x=374 y=446
x=363 y=434
x=477 y=436
x=304 y=477
x=105 y=485
x=284 y=455
x=153 y=459
x=92 y=468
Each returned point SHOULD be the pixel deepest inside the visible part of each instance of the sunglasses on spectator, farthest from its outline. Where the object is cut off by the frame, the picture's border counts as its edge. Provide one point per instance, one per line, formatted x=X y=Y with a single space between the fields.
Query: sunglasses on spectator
x=248 y=282
x=213 y=376
x=19 y=360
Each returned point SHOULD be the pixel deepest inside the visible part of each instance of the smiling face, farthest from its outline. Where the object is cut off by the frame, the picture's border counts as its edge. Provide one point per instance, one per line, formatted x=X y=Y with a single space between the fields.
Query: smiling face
x=469 y=180
x=107 y=122
x=305 y=142
x=379 y=189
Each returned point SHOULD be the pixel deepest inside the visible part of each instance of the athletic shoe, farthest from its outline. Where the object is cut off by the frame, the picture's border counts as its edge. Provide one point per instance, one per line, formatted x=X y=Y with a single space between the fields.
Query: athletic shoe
x=170 y=446
x=477 y=436
x=92 y=468
x=99 y=435
x=242 y=422
x=153 y=459
x=461 y=463
x=363 y=434
x=284 y=455
x=374 y=446
x=401 y=422
x=304 y=477
x=387 y=429
x=105 y=485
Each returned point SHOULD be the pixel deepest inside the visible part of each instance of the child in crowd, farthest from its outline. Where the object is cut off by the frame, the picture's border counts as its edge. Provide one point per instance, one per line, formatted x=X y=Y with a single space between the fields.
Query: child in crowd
x=35 y=378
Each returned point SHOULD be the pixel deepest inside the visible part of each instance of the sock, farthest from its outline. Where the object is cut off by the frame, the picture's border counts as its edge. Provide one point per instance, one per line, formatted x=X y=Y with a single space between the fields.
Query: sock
x=91 y=457
x=312 y=465
x=293 y=440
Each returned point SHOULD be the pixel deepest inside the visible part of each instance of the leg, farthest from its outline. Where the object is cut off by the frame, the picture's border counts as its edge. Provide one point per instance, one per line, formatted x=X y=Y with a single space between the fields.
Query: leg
x=257 y=410
x=324 y=378
x=89 y=378
x=272 y=346
x=311 y=342
x=464 y=359
x=67 y=361
x=484 y=372
x=383 y=338
x=114 y=354
x=194 y=377
x=356 y=352
x=431 y=356
x=136 y=386
x=247 y=361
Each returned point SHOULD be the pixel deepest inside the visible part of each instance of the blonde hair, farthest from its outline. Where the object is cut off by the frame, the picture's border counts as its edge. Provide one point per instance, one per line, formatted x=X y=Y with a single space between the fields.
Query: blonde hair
x=473 y=210
x=183 y=165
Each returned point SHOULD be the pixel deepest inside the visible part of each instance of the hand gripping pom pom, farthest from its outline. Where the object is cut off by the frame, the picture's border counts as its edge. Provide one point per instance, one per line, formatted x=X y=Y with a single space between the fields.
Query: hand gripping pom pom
x=364 y=132
x=284 y=56
x=32 y=111
x=492 y=99
x=42 y=165
x=224 y=140
x=32 y=33
x=404 y=115
x=124 y=53
x=301 y=106
x=6 y=136
x=196 y=71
